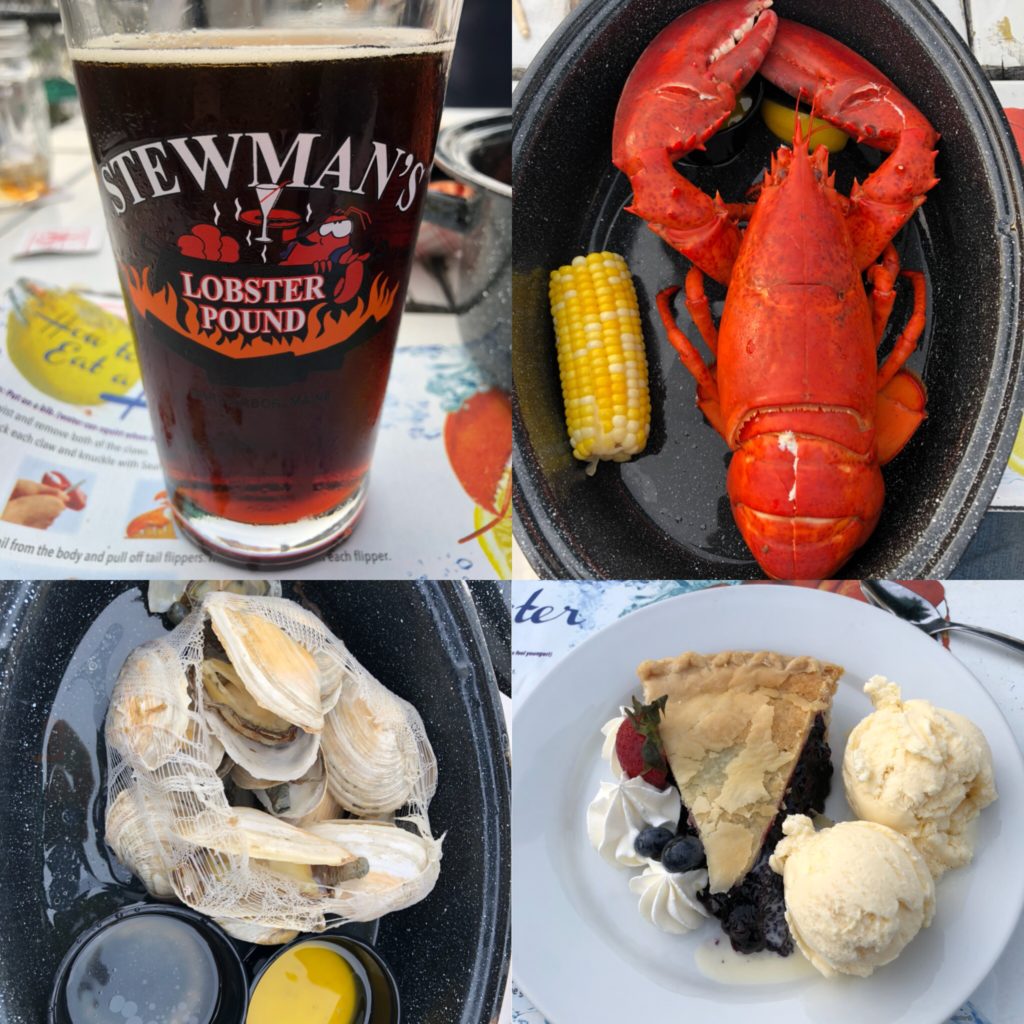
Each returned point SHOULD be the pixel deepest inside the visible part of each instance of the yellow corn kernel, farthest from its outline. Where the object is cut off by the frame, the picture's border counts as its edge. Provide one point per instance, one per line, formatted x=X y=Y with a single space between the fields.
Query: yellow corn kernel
x=601 y=358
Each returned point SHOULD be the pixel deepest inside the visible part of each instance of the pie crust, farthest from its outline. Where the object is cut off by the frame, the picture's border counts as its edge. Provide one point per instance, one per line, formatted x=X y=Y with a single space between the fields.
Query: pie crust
x=733 y=730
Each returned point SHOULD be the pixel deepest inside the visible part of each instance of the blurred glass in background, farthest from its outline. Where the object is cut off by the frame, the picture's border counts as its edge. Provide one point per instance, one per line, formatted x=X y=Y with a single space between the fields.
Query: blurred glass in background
x=24 y=119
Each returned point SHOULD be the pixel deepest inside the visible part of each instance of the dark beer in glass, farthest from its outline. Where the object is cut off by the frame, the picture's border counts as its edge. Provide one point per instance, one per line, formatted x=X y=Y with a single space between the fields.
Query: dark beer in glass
x=263 y=189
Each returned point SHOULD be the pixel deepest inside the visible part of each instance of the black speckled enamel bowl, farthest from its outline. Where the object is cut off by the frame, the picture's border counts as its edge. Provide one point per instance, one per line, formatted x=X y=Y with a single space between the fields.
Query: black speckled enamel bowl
x=61 y=647
x=666 y=514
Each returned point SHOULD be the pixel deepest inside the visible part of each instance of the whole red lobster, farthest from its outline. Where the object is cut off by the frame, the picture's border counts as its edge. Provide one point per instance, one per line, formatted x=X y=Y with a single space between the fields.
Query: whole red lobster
x=796 y=390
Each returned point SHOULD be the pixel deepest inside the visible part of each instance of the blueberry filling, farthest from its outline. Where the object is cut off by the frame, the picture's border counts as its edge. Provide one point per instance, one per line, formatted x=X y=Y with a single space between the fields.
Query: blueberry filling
x=753 y=912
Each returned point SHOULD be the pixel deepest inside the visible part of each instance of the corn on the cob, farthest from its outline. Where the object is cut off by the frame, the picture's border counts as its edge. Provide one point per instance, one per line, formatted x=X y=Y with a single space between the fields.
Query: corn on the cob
x=601 y=358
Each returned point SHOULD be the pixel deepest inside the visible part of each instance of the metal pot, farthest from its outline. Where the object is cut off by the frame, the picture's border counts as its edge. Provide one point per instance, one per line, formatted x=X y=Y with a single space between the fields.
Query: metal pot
x=478 y=155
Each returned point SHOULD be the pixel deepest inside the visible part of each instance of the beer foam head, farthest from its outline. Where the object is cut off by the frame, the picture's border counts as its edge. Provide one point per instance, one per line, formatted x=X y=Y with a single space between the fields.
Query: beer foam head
x=258 y=46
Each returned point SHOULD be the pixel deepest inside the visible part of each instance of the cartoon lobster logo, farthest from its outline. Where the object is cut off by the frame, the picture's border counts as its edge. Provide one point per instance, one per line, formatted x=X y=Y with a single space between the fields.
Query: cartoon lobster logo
x=328 y=249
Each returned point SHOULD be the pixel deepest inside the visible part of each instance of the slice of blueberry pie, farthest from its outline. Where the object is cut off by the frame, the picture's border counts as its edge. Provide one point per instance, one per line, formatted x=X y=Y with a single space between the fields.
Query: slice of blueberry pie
x=744 y=735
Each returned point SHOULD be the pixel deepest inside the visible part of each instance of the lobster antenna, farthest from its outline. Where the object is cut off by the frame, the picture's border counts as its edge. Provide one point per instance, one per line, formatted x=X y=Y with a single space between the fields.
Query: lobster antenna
x=798 y=135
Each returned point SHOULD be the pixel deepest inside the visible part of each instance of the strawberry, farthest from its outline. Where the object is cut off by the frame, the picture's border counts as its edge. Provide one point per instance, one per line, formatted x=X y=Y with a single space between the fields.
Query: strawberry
x=638 y=745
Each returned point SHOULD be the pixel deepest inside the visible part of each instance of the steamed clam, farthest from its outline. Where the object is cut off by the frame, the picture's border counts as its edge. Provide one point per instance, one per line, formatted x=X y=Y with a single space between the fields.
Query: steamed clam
x=404 y=866
x=145 y=853
x=282 y=763
x=251 y=700
x=302 y=800
x=261 y=741
x=281 y=848
x=264 y=693
x=171 y=596
x=280 y=675
x=149 y=717
x=225 y=691
x=377 y=754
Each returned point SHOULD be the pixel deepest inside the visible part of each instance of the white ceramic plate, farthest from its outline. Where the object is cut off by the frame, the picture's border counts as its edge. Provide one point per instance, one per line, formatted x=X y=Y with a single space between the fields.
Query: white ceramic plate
x=580 y=949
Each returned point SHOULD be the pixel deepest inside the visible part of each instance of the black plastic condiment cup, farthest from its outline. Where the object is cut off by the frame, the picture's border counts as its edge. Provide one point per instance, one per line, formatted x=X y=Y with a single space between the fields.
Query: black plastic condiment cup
x=385 y=1006
x=233 y=999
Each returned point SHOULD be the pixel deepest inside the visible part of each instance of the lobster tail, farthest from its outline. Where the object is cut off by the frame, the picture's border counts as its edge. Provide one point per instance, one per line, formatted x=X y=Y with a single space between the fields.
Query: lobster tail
x=803 y=504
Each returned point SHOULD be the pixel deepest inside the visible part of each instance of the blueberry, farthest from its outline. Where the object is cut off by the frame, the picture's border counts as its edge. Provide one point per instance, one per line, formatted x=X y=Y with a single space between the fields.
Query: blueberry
x=651 y=842
x=684 y=853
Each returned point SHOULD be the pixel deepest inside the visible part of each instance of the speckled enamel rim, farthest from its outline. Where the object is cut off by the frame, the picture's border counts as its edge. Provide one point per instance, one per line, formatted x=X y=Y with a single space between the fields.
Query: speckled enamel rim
x=548 y=542
x=215 y=938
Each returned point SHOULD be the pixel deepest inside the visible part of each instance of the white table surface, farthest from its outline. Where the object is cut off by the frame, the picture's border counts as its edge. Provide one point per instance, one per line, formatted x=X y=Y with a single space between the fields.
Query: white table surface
x=537 y=648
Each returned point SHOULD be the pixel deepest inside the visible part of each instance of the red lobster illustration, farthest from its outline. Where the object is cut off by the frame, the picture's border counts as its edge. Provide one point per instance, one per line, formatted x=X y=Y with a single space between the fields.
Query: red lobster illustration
x=796 y=390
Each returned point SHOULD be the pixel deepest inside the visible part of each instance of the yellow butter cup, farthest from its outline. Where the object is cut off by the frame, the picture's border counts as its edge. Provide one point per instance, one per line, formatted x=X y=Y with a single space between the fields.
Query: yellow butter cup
x=327 y=979
x=780 y=121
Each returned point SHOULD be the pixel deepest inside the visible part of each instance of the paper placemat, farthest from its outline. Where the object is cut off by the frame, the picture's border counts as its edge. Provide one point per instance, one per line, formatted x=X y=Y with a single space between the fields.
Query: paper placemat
x=73 y=417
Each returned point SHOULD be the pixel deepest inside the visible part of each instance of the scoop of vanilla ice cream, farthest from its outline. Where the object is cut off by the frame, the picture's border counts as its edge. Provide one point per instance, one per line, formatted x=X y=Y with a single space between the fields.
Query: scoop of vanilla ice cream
x=855 y=893
x=921 y=770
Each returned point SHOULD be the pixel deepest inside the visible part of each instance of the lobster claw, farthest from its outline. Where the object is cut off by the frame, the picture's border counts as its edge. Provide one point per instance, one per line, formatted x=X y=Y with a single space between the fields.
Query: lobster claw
x=680 y=92
x=686 y=82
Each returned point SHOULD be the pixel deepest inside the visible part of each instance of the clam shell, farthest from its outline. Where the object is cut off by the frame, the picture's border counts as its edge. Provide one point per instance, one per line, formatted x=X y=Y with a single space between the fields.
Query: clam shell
x=404 y=867
x=148 y=719
x=281 y=763
x=327 y=809
x=207 y=748
x=278 y=673
x=265 y=837
x=246 y=780
x=195 y=590
x=290 y=801
x=128 y=832
x=375 y=762
x=161 y=594
x=224 y=690
x=333 y=673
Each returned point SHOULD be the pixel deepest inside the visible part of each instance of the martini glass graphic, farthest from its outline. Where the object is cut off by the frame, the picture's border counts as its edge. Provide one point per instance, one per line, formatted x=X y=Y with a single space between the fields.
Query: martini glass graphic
x=268 y=196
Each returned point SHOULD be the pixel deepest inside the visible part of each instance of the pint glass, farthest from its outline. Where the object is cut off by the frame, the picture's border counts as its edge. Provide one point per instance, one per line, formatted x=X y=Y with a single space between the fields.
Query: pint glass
x=262 y=164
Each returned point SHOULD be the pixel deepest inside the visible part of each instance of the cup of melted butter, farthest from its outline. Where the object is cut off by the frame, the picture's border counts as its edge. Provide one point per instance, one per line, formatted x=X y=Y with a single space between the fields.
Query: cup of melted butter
x=324 y=980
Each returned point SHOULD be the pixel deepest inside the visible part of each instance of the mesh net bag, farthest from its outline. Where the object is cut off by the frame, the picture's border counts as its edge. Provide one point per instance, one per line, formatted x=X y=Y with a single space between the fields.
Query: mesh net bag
x=172 y=741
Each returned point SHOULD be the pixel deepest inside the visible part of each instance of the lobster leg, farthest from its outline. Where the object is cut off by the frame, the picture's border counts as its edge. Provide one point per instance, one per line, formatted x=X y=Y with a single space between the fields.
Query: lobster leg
x=740 y=211
x=699 y=308
x=899 y=408
x=907 y=341
x=851 y=93
x=707 y=387
x=882 y=276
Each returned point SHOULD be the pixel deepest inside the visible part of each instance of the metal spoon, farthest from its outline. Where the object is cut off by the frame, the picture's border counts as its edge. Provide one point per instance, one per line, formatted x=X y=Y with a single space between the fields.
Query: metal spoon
x=904 y=603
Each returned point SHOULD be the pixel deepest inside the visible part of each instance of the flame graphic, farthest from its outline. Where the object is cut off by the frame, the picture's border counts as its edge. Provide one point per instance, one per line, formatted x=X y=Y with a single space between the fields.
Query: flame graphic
x=324 y=329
